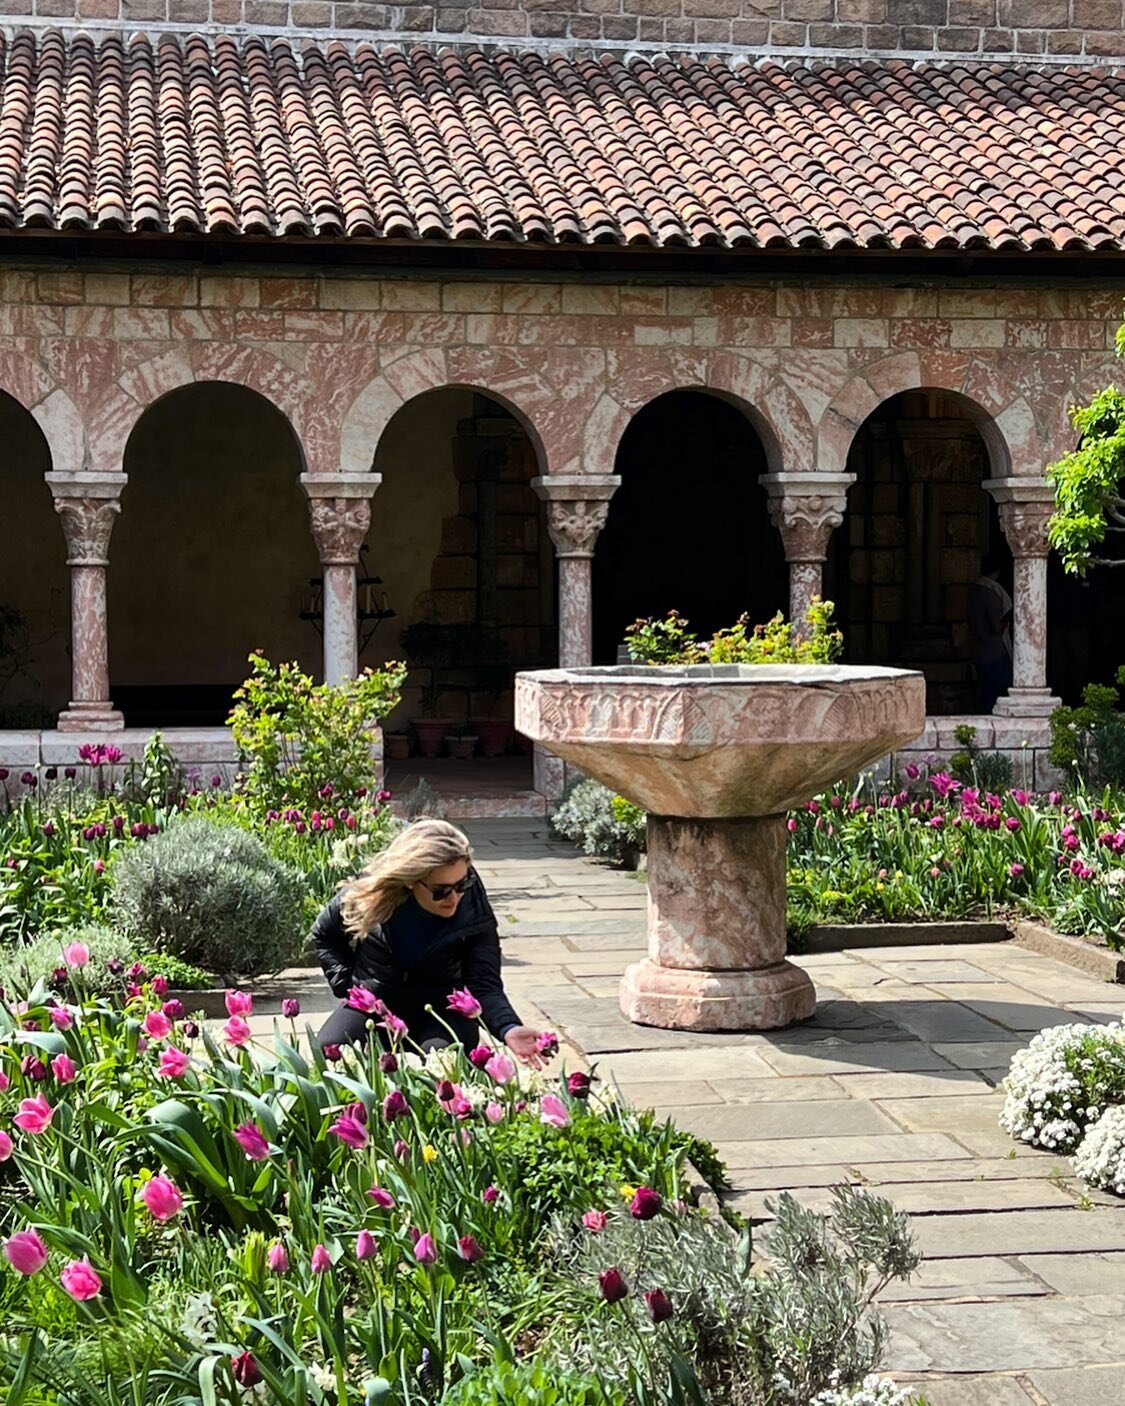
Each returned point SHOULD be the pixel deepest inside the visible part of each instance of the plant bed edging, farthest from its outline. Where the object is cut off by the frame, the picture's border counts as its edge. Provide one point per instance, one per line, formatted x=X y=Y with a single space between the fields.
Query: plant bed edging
x=1098 y=962
x=838 y=937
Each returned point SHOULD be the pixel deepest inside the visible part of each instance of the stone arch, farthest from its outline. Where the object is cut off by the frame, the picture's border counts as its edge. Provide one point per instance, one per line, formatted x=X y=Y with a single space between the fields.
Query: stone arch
x=34 y=388
x=503 y=378
x=999 y=410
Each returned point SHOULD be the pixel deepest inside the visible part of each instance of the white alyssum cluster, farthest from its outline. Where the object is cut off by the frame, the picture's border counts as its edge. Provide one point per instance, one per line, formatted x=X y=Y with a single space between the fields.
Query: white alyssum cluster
x=1051 y=1088
x=1100 y=1156
x=872 y=1391
x=198 y=1322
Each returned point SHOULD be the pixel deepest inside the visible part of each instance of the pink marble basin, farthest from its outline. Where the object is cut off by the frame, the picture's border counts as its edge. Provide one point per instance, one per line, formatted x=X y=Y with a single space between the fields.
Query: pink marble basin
x=726 y=740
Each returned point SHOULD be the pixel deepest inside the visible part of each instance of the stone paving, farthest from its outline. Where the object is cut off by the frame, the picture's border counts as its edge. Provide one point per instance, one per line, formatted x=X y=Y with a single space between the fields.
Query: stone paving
x=892 y=1085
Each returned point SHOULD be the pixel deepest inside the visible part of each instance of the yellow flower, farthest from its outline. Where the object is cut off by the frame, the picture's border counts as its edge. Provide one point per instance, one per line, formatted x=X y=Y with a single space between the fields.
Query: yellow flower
x=429 y=1153
x=628 y=1192
x=879 y=888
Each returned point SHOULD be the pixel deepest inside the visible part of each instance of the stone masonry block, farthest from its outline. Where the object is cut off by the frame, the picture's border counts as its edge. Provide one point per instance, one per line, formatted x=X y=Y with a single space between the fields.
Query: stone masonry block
x=1096 y=14
x=787 y=35
x=1034 y=14
x=861 y=11
x=836 y=36
x=959 y=41
x=972 y=12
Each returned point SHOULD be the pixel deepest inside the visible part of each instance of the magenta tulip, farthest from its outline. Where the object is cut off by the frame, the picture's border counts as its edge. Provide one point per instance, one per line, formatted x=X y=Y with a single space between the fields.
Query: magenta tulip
x=360 y=999
x=479 y=1057
x=381 y=1198
x=64 y=1069
x=61 y=1018
x=174 y=1064
x=388 y=1062
x=425 y=1251
x=5 y=1082
x=80 y=1280
x=464 y=1003
x=236 y=1031
x=290 y=1008
x=613 y=1286
x=35 y=1115
x=394 y=1025
x=578 y=1084
x=25 y=1252
x=490 y=1195
x=156 y=1025
x=6 y=1146
x=395 y=1106
x=659 y=1305
x=249 y=1138
x=366 y=1247
x=645 y=1204
x=547 y=1044
x=321 y=1260
x=501 y=1068
x=277 y=1257
x=173 y=1009
x=76 y=954
x=31 y=1066
x=162 y=1197
x=402 y=1150
x=238 y=1002
x=469 y=1249
x=595 y=1221
x=332 y=1052
x=245 y=1370
x=350 y=1130
x=552 y=1110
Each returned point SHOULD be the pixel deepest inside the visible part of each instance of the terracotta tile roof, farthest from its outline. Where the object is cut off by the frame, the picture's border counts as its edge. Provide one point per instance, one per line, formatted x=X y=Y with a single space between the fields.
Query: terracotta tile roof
x=228 y=136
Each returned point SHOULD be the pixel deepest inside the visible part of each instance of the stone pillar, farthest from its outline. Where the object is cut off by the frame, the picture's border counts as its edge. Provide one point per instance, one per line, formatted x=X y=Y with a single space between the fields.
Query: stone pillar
x=806 y=509
x=87 y=505
x=1026 y=505
x=340 y=514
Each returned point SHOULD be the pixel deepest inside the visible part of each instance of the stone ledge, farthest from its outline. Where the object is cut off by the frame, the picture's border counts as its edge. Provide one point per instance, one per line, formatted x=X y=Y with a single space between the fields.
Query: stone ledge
x=1098 y=962
x=838 y=937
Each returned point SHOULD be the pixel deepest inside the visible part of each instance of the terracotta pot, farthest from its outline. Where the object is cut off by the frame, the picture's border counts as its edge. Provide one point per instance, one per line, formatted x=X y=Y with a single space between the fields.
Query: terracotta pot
x=396 y=746
x=461 y=748
x=496 y=736
x=430 y=732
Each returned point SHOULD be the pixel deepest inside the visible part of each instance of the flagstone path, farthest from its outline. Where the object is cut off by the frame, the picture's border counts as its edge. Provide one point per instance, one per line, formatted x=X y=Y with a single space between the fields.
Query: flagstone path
x=1021 y=1298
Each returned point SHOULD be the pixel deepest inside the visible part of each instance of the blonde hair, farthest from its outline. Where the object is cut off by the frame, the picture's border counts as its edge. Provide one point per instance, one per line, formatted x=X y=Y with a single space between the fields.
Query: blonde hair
x=387 y=880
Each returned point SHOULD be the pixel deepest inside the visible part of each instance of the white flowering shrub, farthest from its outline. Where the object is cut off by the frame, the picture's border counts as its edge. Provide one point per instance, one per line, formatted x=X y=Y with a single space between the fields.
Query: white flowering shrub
x=872 y=1391
x=1062 y=1083
x=1100 y=1157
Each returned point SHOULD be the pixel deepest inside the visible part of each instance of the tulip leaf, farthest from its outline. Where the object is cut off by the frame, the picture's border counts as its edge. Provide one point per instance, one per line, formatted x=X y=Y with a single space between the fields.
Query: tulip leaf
x=292 y=1057
x=49 y=1040
x=22 y=1379
x=207 y=1369
x=266 y=1115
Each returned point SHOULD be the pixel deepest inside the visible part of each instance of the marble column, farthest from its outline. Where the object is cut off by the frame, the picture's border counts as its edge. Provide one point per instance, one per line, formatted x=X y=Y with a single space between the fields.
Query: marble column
x=577 y=508
x=1025 y=506
x=806 y=509
x=87 y=505
x=340 y=515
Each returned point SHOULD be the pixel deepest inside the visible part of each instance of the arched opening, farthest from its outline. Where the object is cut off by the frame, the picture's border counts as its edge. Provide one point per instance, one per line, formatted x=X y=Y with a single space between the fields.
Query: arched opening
x=460 y=548
x=918 y=524
x=210 y=558
x=34 y=584
x=689 y=528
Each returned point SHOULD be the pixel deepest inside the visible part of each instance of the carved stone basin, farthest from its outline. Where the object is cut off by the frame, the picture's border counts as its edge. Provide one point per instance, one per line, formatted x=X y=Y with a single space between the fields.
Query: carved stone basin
x=716 y=754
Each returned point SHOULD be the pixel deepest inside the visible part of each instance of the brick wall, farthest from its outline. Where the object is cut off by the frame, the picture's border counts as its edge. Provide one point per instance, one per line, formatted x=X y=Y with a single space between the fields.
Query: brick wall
x=1089 y=29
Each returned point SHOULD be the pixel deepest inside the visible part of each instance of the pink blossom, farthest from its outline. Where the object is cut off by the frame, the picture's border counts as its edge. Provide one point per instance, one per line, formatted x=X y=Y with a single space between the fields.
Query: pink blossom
x=791 y=825
x=912 y=771
x=236 y=1031
x=159 y=986
x=395 y=1106
x=479 y=1057
x=425 y=1251
x=366 y=1247
x=501 y=1068
x=239 y=1002
x=935 y=872
x=35 y=1115
x=402 y=1150
x=157 y=1025
x=61 y=1018
x=76 y=954
x=382 y=1198
x=552 y=1110
x=547 y=1044
x=25 y=1252
x=469 y=1250
x=1015 y=870
x=394 y=1025
x=249 y=1137
x=944 y=784
x=173 y=1009
x=80 y=1280
x=1071 y=841
x=290 y=1008
x=493 y=1112
x=645 y=1204
x=1021 y=798
x=4 y=1082
x=350 y=1130
x=321 y=1261
x=63 y=1068
x=464 y=1003
x=6 y=1146
x=277 y=1257
x=595 y=1221
x=162 y=1197
x=360 y=999
x=174 y=1064
x=490 y=1195
x=1054 y=797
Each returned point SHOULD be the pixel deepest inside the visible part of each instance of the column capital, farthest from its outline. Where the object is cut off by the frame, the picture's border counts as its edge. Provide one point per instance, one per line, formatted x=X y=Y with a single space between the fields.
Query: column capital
x=577 y=508
x=87 y=505
x=806 y=509
x=1025 y=506
x=340 y=485
x=339 y=526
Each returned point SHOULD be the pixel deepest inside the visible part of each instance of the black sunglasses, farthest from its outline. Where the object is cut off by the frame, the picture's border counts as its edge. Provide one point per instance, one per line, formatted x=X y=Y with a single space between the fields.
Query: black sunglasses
x=440 y=892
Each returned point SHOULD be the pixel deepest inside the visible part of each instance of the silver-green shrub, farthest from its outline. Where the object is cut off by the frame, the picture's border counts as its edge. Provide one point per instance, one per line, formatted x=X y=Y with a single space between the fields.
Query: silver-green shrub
x=589 y=818
x=211 y=894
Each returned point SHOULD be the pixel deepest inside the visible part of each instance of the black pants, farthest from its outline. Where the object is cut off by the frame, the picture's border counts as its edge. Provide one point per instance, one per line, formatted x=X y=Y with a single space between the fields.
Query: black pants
x=346 y=1026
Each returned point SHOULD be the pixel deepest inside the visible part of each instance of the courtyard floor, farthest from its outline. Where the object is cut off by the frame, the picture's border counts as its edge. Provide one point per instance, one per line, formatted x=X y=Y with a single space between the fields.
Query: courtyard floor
x=1021 y=1297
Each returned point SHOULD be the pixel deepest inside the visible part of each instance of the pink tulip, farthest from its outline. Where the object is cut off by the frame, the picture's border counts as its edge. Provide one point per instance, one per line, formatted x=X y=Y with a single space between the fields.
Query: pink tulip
x=595 y=1221
x=366 y=1247
x=64 y=1069
x=159 y=986
x=659 y=1305
x=236 y=1031
x=249 y=1138
x=395 y=1106
x=350 y=1130
x=360 y=999
x=501 y=1068
x=464 y=1003
x=612 y=1284
x=243 y=1368
x=61 y=1018
x=480 y=1056
x=239 y=1003
x=394 y=1025
x=6 y=1146
x=173 y=1009
x=552 y=1110
x=80 y=1280
x=156 y=1025
x=381 y=1198
x=290 y=1008
x=76 y=954
x=174 y=1064
x=162 y=1198
x=645 y=1204
x=25 y=1252
x=469 y=1249
x=35 y=1115
x=402 y=1150
x=547 y=1044
x=494 y=1113
x=277 y=1257
x=490 y=1195
x=321 y=1260
x=425 y=1251
x=5 y=1082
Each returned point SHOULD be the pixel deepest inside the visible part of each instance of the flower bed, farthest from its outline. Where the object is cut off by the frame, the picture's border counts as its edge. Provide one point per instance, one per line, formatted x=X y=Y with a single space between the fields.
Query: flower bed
x=193 y=1219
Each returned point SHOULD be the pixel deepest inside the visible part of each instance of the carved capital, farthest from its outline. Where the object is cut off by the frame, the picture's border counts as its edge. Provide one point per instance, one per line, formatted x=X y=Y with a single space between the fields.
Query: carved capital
x=87 y=524
x=574 y=526
x=339 y=526
x=806 y=524
x=1025 y=527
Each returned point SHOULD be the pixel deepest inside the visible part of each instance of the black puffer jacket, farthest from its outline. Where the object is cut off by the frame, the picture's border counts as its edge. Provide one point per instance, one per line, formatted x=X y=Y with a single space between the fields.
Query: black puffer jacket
x=465 y=954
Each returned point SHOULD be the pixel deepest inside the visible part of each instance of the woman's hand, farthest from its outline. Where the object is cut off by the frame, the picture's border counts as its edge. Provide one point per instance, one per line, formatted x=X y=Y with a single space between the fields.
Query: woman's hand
x=522 y=1042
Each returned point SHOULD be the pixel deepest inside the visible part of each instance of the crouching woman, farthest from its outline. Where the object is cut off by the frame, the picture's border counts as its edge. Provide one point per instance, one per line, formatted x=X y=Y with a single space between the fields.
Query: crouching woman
x=414 y=928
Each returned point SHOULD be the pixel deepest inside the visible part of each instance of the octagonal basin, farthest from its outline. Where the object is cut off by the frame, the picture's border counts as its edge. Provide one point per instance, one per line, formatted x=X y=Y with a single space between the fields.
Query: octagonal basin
x=717 y=754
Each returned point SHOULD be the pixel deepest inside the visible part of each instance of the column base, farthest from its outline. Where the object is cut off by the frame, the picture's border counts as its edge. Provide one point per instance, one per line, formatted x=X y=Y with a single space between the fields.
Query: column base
x=1026 y=703
x=680 y=998
x=91 y=717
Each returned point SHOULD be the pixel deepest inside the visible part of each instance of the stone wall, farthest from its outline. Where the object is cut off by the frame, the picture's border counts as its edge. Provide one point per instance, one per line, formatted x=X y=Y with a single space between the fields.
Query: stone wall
x=1051 y=28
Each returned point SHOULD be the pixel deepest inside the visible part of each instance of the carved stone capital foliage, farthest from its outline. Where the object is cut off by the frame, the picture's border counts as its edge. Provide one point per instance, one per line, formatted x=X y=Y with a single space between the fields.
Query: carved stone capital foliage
x=87 y=524
x=1025 y=527
x=574 y=525
x=339 y=526
x=807 y=522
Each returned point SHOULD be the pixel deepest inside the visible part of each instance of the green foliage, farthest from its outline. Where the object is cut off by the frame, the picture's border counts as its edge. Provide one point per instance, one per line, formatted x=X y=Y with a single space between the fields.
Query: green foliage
x=180 y=975
x=530 y=1384
x=212 y=895
x=987 y=771
x=23 y=965
x=295 y=737
x=669 y=641
x=1088 y=481
x=1089 y=741
x=604 y=825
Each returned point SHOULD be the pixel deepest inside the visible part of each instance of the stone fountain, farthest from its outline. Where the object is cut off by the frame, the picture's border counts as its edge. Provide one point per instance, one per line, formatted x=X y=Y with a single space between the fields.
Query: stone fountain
x=717 y=753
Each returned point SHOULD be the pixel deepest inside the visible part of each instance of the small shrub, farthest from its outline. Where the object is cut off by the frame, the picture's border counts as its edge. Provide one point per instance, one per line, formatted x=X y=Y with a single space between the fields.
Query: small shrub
x=24 y=964
x=1100 y=1157
x=601 y=824
x=1089 y=741
x=211 y=895
x=987 y=771
x=530 y=1384
x=669 y=641
x=1062 y=1083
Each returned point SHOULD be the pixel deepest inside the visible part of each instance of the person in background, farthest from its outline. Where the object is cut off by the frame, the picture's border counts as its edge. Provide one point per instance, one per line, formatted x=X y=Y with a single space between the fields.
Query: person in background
x=416 y=929
x=990 y=639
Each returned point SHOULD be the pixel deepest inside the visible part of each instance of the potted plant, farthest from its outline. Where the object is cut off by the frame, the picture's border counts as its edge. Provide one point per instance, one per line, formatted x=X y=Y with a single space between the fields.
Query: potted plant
x=461 y=743
x=429 y=645
x=396 y=746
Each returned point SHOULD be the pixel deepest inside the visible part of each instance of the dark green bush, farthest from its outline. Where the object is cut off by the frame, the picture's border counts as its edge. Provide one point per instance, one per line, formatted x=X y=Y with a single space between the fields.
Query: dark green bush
x=530 y=1384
